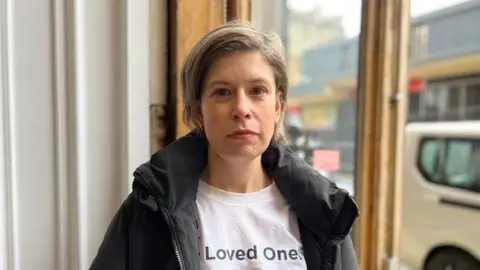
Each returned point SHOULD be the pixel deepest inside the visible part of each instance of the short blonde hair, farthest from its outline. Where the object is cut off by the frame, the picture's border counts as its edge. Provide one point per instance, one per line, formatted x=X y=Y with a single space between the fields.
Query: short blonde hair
x=232 y=37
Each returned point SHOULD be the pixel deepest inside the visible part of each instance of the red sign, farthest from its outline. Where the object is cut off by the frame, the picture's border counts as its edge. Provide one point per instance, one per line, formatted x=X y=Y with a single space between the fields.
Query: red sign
x=416 y=85
x=326 y=160
x=294 y=109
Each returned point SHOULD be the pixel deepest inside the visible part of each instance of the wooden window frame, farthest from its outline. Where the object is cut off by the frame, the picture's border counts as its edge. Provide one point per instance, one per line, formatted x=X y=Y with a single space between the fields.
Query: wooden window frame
x=381 y=118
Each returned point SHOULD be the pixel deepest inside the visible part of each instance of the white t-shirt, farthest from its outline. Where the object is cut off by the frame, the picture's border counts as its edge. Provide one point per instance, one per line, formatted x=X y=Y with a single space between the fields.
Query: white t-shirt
x=247 y=230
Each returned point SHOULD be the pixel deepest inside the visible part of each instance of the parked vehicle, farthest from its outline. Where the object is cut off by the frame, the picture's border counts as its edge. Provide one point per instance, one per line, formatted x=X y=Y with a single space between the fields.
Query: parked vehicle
x=440 y=201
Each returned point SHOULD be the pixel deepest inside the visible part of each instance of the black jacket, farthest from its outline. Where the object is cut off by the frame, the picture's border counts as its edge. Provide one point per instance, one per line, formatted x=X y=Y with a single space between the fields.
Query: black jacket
x=156 y=227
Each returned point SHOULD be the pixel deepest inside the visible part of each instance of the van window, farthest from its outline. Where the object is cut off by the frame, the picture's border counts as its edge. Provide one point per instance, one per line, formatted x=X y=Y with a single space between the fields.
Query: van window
x=429 y=158
x=452 y=162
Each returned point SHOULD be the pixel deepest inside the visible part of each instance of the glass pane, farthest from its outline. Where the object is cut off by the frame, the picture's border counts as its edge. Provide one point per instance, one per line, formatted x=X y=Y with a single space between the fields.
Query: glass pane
x=429 y=156
x=321 y=42
x=444 y=69
x=473 y=101
x=457 y=163
x=414 y=106
x=453 y=106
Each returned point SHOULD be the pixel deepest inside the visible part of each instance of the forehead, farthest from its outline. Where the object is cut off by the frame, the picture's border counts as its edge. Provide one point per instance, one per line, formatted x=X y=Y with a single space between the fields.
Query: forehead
x=241 y=67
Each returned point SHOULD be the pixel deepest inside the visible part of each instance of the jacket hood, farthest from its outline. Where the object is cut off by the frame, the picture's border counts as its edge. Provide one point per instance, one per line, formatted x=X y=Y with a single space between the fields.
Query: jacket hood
x=171 y=178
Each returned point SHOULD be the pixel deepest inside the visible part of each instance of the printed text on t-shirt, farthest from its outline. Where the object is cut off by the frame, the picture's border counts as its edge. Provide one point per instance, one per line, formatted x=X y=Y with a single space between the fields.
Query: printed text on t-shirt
x=253 y=253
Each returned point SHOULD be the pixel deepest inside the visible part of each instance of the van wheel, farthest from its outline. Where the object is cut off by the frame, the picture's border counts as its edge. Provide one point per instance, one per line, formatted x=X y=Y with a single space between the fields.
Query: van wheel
x=452 y=259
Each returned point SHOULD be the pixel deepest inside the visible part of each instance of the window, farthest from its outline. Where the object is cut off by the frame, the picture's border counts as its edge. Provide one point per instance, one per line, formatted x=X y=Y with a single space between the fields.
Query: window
x=429 y=157
x=435 y=102
x=451 y=162
x=419 y=42
x=322 y=43
x=414 y=106
x=453 y=103
x=473 y=102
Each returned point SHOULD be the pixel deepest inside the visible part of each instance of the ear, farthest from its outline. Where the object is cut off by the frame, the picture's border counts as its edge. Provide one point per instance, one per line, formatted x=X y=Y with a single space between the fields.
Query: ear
x=278 y=106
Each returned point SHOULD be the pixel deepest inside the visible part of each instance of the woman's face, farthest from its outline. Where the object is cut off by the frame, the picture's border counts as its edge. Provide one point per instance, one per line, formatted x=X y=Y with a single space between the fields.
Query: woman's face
x=240 y=105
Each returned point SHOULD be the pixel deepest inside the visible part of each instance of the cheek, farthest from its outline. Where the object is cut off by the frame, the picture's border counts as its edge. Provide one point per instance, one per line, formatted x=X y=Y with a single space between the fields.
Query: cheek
x=212 y=114
x=213 y=118
x=268 y=120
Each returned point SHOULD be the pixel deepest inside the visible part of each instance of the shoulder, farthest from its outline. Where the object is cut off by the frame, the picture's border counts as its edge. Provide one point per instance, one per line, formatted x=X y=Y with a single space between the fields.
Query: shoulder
x=129 y=212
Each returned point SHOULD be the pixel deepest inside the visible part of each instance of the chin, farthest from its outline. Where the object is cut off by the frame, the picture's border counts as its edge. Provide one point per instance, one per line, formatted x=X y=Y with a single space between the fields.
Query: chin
x=244 y=152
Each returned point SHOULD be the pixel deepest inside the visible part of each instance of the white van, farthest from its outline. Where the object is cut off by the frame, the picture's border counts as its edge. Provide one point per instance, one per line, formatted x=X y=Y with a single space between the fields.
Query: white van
x=440 y=204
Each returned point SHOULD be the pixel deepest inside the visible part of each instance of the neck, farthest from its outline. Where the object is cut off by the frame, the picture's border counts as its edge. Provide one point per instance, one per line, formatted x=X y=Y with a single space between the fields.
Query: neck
x=235 y=175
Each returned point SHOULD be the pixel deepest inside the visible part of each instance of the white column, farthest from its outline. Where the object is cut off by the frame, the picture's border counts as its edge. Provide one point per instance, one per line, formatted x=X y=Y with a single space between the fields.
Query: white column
x=6 y=260
x=29 y=178
x=74 y=124
x=139 y=63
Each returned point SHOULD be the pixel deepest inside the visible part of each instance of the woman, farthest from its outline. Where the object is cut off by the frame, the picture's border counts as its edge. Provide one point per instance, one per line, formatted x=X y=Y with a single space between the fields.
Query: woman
x=229 y=195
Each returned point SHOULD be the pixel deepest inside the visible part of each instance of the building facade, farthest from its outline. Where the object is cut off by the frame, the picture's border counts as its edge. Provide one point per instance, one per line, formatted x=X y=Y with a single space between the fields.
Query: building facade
x=444 y=78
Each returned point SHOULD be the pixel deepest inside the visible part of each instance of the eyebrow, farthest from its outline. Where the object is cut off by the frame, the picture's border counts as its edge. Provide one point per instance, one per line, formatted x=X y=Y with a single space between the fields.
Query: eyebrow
x=258 y=80
x=226 y=83
x=218 y=82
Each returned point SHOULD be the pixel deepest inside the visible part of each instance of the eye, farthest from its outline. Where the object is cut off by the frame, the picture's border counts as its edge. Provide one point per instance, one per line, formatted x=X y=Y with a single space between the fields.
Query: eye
x=257 y=91
x=221 y=92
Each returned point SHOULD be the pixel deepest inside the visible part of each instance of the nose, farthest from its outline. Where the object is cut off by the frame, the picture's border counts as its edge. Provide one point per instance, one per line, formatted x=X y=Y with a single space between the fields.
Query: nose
x=241 y=109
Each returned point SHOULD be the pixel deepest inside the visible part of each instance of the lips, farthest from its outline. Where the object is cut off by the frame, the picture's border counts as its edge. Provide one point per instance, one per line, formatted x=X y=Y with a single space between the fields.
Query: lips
x=242 y=134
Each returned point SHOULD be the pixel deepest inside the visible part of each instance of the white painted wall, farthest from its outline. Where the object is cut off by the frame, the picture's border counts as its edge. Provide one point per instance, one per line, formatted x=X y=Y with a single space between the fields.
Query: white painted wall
x=74 y=124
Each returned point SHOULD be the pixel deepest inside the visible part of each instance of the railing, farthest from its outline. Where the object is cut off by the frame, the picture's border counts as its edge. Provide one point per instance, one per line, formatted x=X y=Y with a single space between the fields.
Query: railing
x=454 y=114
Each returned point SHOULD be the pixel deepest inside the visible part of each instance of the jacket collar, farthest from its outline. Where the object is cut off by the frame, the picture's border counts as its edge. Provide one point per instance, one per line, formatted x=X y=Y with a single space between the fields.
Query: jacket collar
x=172 y=174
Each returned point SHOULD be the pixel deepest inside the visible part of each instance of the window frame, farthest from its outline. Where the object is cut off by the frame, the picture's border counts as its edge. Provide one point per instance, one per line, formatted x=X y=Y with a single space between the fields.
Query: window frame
x=444 y=148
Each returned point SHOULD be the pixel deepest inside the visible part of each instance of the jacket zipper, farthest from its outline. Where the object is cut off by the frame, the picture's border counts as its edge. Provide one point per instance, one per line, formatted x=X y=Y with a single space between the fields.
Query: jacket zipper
x=175 y=241
x=328 y=253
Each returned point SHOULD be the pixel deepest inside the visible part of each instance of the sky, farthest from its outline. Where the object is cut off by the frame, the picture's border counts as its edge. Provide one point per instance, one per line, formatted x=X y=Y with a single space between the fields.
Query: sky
x=350 y=9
